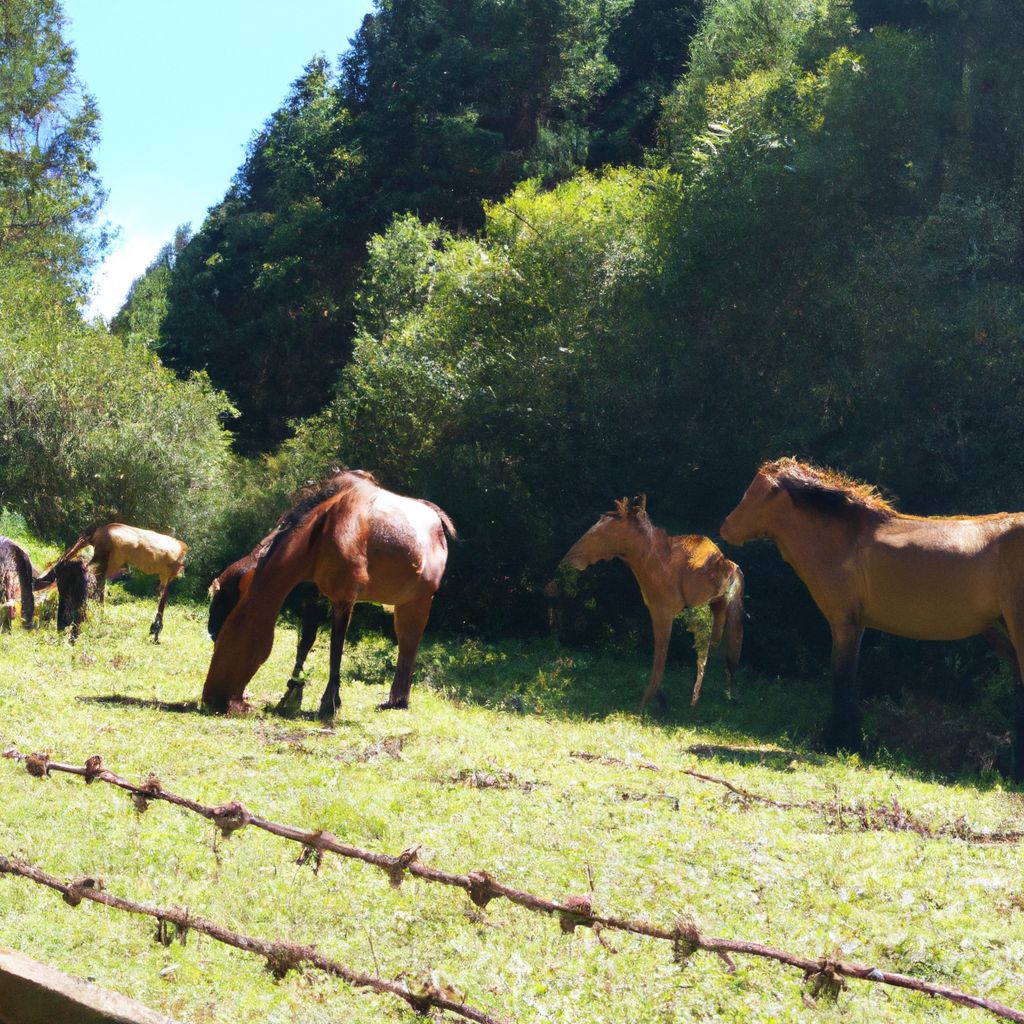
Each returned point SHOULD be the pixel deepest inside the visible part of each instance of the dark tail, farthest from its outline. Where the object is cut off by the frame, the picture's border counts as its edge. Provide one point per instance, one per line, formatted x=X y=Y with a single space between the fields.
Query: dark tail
x=26 y=579
x=50 y=575
x=446 y=521
x=734 y=617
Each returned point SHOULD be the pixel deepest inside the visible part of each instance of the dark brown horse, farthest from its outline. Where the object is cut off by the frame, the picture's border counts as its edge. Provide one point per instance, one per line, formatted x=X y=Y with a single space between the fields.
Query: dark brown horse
x=674 y=573
x=17 y=578
x=869 y=566
x=116 y=546
x=227 y=590
x=356 y=542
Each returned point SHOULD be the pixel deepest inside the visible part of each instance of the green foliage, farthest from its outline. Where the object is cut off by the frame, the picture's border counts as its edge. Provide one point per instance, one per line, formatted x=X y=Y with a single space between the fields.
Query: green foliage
x=145 y=307
x=95 y=429
x=49 y=192
x=437 y=108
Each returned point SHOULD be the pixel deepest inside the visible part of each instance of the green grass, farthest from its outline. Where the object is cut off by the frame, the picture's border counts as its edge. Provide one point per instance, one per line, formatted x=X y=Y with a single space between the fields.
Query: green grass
x=942 y=909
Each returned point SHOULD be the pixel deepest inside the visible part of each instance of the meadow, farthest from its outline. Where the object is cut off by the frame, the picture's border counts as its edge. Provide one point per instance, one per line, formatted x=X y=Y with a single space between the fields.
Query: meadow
x=480 y=774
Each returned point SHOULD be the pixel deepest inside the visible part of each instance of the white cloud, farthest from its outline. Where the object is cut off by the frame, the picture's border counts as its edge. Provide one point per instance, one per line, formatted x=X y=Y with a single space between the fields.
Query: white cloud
x=114 y=276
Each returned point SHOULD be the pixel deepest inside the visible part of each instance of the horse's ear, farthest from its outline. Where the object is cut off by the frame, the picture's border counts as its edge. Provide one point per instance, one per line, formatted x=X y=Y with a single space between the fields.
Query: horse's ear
x=640 y=505
x=622 y=507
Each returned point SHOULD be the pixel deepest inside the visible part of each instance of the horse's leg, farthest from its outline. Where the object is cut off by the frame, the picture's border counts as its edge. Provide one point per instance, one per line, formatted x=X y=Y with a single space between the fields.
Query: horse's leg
x=341 y=616
x=410 y=621
x=662 y=625
x=718 y=615
x=843 y=729
x=309 y=624
x=702 y=664
x=1015 y=655
x=158 y=621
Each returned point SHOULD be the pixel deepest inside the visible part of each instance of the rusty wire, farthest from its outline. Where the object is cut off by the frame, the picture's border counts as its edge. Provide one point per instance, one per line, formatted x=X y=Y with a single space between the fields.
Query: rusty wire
x=825 y=974
x=281 y=957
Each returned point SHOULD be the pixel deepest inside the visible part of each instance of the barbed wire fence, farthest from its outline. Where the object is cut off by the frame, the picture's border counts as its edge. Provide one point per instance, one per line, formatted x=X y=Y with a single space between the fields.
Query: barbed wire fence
x=281 y=957
x=826 y=975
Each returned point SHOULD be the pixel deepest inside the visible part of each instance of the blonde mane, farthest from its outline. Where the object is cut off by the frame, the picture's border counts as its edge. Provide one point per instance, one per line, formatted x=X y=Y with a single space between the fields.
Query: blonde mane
x=825 y=489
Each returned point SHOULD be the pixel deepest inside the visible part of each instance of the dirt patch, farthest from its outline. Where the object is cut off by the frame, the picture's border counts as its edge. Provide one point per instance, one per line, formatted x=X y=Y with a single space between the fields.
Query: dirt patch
x=493 y=777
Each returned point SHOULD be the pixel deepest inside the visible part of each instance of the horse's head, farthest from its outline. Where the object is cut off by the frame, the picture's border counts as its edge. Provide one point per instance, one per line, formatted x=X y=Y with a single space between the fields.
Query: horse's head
x=613 y=535
x=227 y=590
x=750 y=518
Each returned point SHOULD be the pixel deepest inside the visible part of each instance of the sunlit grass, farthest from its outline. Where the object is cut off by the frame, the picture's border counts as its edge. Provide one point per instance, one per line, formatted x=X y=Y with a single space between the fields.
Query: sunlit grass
x=944 y=909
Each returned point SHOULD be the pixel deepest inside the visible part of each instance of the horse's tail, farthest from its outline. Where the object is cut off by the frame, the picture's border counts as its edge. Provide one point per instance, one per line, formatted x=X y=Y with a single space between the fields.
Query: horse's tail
x=26 y=580
x=734 y=616
x=50 y=576
x=446 y=521
x=84 y=539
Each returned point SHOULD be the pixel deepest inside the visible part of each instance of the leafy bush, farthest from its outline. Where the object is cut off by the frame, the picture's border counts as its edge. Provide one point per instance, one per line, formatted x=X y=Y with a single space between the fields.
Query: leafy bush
x=96 y=430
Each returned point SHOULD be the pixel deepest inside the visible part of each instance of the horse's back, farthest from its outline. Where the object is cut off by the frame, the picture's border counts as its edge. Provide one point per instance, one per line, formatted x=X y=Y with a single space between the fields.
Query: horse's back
x=406 y=551
x=380 y=547
x=145 y=549
x=941 y=578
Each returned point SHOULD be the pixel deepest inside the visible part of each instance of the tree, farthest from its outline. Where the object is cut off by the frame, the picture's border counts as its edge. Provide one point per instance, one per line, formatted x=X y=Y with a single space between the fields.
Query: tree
x=142 y=313
x=49 y=192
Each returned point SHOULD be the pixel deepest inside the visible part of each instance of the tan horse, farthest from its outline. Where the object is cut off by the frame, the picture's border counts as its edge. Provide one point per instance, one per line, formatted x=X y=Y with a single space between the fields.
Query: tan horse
x=674 y=573
x=356 y=542
x=869 y=566
x=116 y=546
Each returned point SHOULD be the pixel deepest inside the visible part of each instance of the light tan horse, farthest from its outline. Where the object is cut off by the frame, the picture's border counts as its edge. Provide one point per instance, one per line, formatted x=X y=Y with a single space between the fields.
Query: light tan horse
x=869 y=566
x=116 y=546
x=674 y=573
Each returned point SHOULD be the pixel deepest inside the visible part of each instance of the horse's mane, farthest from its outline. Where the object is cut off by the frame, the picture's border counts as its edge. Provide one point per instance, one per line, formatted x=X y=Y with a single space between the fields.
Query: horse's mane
x=307 y=499
x=635 y=512
x=826 y=490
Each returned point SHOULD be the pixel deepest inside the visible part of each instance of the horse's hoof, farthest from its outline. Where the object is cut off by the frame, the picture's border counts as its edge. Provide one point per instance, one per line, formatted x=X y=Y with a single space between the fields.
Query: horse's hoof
x=238 y=707
x=327 y=712
x=291 y=703
x=394 y=705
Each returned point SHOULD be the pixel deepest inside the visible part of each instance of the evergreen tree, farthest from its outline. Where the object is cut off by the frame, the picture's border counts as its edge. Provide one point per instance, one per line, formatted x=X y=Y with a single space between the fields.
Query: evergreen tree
x=49 y=192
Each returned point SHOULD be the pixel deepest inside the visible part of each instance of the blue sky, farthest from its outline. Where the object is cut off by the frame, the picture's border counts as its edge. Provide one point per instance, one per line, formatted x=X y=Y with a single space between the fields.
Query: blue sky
x=181 y=86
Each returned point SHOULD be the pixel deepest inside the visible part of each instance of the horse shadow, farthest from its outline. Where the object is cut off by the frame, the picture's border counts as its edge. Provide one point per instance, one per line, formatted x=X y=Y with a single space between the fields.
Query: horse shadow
x=178 y=707
x=776 y=721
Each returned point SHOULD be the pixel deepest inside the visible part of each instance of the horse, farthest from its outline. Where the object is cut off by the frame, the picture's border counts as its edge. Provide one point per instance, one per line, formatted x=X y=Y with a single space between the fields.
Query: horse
x=17 y=580
x=357 y=542
x=868 y=566
x=116 y=546
x=674 y=573
x=227 y=590
x=75 y=582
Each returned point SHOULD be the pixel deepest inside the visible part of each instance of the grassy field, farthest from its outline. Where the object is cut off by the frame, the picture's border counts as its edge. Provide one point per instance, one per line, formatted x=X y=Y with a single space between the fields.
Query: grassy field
x=479 y=774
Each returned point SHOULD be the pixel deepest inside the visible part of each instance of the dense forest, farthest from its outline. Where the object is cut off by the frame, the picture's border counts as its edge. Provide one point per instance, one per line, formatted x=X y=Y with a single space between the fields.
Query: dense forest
x=525 y=258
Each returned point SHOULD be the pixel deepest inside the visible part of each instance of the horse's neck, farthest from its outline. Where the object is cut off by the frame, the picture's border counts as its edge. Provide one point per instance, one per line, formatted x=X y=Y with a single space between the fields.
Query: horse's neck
x=642 y=554
x=813 y=544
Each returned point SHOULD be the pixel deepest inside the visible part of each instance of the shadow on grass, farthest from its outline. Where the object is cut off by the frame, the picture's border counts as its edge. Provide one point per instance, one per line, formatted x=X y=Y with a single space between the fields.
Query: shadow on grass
x=193 y=707
x=180 y=707
x=775 y=721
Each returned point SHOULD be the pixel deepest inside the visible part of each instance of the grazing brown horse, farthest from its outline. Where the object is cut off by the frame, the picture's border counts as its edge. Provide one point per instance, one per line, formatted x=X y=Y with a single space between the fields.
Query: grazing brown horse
x=674 y=573
x=17 y=578
x=869 y=566
x=116 y=546
x=227 y=590
x=356 y=542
